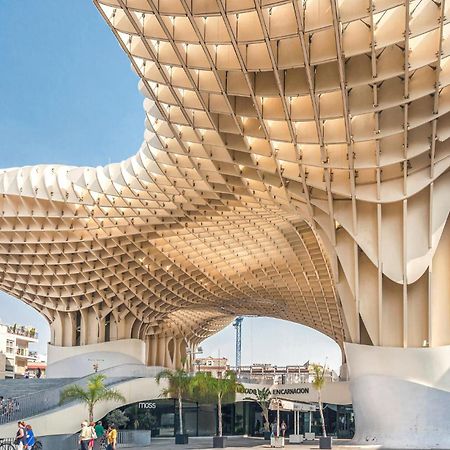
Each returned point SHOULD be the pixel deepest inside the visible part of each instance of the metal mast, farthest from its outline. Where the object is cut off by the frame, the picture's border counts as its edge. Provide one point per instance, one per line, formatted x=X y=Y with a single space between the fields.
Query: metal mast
x=237 y=324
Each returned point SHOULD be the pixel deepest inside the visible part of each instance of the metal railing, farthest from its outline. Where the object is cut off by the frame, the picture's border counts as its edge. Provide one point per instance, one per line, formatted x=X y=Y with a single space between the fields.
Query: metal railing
x=30 y=405
x=23 y=331
x=278 y=379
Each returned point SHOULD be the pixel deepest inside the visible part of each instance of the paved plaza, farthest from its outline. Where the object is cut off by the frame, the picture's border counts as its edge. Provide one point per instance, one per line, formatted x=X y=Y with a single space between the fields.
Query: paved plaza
x=240 y=442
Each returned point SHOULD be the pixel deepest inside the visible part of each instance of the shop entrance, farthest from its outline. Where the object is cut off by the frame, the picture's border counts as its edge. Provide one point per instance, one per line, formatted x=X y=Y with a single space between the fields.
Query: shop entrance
x=240 y=418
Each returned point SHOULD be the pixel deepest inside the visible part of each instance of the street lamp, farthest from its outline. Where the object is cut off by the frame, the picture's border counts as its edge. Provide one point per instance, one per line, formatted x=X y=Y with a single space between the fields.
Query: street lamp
x=191 y=353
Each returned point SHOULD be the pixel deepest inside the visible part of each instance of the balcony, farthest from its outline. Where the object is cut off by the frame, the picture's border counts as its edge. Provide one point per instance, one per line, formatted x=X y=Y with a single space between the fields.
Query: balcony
x=24 y=352
x=26 y=332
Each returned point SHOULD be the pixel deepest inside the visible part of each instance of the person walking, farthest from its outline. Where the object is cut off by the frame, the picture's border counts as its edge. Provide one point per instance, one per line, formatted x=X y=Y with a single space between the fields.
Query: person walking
x=20 y=439
x=31 y=440
x=93 y=435
x=283 y=428
x=85 y=436
x=100 y=432
x=111 y=438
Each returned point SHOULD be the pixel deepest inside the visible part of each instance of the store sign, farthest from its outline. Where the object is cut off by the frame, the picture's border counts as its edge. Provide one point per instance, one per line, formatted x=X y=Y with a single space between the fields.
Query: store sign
x=280 y=391
x=289 y=391
x=147 y=405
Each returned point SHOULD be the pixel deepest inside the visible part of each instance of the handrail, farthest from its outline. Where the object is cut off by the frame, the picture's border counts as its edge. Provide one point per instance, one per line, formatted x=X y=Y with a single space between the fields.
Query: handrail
x=29 y=405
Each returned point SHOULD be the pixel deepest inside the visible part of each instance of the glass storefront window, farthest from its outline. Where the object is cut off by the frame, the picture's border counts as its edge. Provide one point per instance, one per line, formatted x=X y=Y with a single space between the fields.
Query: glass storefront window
x=161 y=417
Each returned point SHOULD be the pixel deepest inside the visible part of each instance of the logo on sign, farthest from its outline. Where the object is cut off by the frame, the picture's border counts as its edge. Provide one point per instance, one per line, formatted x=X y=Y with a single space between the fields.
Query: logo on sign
x=280 y=391
x=147 y=405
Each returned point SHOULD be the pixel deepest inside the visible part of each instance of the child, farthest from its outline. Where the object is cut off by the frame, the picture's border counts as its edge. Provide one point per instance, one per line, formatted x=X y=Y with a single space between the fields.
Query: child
x=31 y=440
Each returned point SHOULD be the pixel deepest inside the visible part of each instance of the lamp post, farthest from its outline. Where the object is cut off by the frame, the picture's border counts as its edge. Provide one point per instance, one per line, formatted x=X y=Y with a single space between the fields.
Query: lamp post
x=95 y=364
x=190 y=353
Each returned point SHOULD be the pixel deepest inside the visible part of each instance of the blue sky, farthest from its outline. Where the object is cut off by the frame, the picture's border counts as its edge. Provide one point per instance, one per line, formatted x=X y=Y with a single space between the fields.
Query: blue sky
x=69 y=96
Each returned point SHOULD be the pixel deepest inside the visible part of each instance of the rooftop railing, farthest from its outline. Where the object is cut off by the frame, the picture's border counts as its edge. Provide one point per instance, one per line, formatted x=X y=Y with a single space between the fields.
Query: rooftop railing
x=21 y=330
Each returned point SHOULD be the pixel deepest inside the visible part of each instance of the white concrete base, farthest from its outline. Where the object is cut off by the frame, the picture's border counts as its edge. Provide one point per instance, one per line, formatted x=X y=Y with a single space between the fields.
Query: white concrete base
x=78 y=361
x=401 y=397
x=296 y=438
x=277 y=442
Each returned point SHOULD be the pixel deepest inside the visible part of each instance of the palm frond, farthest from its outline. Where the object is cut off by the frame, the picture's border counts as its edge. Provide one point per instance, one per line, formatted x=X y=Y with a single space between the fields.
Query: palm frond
x=178 y=382
x=111 y=394
x=318 y=381
x=73 y=392
x=166 y=373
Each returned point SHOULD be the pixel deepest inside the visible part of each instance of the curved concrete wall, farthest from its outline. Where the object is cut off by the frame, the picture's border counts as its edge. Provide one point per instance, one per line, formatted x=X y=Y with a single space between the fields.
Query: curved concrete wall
x=67 y=419
x=400 y=396
x=78 y=361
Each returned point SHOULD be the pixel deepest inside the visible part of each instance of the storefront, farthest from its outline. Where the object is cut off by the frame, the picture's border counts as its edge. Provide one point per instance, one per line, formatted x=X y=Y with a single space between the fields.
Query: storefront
x=239 y=418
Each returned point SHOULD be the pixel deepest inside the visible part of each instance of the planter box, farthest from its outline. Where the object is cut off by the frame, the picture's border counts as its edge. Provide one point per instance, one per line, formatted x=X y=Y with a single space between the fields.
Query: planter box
x=277 y=442
x=296 y=438
x=181 y=439
x=325 y=442
x=219 y=442
x=267 y=435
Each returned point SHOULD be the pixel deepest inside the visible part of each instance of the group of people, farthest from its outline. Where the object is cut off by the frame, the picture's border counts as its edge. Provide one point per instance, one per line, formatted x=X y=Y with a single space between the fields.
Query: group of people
x=93 y=435
x=24 y=439
x=278 y=432
x=7 y=407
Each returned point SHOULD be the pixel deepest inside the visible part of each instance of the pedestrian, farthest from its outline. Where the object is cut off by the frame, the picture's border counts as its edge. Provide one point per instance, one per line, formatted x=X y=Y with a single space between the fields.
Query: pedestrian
x=112 y=438
x=85 y=436
x=274 y=428
x=100 y=432
x=93 y=435
x=31 y=440
x=273 y=434
x=20 y=439
x=283 y=428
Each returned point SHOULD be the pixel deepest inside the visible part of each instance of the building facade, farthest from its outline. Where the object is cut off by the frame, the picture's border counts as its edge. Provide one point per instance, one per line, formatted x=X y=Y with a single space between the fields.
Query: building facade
x=272 y=374
x=215 y=366
x=16 y=355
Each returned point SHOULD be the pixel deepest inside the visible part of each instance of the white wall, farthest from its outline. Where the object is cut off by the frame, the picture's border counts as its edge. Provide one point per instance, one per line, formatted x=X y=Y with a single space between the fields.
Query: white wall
x=401 y=396
x=70 y=362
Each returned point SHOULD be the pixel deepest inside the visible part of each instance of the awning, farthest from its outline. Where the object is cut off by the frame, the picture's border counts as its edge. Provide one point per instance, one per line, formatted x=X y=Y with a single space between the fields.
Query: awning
x=285 y=405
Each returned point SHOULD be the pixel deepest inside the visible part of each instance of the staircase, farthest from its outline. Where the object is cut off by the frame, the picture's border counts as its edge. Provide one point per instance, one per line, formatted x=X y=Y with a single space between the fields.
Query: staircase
x=32 y=397
x=18 y=388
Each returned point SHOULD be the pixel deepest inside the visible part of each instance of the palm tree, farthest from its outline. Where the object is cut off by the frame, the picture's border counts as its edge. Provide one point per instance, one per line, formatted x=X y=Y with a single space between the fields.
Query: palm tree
x=318 y=383
x=179 y=387
x=262 y=398
x=205 y=387
x=95 y=392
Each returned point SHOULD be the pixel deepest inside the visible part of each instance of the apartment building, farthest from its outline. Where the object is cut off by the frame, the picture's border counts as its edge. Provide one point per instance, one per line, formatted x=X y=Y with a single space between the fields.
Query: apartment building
x=216 y=366
x=15 y=353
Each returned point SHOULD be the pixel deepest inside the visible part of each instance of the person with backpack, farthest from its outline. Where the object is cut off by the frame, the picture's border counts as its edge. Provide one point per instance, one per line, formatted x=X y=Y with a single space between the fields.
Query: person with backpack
x=93 y=436
x=31 y=440
x=85 y=436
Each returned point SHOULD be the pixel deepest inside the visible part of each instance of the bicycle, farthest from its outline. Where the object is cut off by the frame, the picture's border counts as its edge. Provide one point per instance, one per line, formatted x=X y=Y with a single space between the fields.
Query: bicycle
x=103 y=443
x=37 y=446
x=5 y=445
